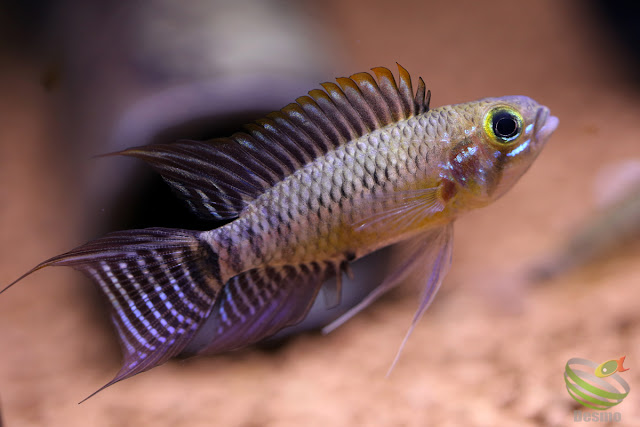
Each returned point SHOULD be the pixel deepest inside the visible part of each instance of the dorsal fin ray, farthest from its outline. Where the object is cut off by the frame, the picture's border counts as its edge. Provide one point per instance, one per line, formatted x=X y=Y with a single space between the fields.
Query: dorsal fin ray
x=295 y=123
x=345 y=109
x=373 y=97
x=220 y=177
x=360 y=104
x=341 y=122
x=389 y=90
x=405 y=90
x=324 y=124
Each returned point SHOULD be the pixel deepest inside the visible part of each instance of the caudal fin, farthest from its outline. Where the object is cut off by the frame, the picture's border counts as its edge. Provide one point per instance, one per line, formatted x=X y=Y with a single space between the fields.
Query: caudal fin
x=161 y=284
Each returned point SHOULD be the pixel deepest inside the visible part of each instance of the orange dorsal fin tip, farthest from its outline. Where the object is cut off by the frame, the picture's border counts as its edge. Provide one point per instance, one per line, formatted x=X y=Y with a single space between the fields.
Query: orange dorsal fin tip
x=405 y=89
x=385 y=75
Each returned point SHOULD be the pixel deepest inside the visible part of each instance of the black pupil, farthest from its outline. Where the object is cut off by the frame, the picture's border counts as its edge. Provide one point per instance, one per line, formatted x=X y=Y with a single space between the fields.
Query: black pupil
x=505 y=125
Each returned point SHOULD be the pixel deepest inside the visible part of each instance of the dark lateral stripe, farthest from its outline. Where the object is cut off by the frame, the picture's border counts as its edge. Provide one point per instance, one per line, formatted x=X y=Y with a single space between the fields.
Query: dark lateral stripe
x=218 y=178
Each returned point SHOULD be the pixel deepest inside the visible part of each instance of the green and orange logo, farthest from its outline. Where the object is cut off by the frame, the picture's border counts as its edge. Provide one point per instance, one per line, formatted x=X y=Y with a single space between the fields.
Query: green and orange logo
x=596 y=386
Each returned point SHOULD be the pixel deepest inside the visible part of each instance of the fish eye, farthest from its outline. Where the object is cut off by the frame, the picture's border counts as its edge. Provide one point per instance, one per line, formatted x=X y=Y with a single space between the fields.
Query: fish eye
x=503 y=124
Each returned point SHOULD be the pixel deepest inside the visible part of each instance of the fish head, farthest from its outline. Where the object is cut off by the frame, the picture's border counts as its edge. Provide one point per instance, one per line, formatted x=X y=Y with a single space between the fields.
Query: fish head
x=499 y=140
x=607 y=368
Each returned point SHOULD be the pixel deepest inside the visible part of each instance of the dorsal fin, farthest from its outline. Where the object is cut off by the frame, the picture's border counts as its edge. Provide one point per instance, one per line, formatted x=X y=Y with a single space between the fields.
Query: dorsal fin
x=218 y=178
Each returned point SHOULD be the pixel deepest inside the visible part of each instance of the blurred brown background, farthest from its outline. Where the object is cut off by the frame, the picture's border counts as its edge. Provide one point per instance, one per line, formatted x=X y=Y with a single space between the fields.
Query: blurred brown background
x=83 y=78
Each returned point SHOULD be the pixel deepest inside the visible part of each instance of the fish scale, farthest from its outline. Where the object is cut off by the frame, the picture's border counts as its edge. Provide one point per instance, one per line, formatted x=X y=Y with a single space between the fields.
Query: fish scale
x=355 y=167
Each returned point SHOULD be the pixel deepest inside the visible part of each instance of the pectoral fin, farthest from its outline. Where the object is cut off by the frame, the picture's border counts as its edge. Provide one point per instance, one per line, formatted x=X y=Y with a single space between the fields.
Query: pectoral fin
x=402 y=210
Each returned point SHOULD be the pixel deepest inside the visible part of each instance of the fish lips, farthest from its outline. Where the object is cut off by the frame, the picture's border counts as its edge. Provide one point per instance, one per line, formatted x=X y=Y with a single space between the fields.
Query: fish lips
x=545 y=125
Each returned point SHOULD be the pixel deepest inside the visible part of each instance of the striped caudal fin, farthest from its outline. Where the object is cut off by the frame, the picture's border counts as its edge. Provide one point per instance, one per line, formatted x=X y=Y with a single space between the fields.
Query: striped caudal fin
x=161 y=284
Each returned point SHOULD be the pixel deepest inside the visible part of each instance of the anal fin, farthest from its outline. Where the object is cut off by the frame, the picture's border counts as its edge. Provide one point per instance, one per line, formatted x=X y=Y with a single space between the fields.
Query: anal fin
x=332 y=289
x=258 y=303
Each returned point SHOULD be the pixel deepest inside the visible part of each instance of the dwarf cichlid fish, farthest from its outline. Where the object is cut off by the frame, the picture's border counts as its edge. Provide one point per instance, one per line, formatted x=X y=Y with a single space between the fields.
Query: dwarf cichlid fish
x=358 y=166
x=610 y=367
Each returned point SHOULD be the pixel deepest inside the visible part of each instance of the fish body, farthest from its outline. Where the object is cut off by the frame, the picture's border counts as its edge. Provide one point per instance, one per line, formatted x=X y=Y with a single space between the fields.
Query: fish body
x=338 y=204
x=362 y=165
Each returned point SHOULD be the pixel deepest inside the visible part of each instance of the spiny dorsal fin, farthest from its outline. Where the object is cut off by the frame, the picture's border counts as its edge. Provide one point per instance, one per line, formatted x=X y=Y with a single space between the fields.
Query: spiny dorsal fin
x=219 y=178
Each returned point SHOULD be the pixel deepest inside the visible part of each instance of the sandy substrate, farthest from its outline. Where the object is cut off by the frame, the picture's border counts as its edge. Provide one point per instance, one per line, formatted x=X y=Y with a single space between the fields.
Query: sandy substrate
x=487 y=352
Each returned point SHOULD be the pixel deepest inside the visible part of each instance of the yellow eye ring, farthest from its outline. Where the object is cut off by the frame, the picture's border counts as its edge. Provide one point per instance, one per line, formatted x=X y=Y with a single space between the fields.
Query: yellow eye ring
x=503 y=125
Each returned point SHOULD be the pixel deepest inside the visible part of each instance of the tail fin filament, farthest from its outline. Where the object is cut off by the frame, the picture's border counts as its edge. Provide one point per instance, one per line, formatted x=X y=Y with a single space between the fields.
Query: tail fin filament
x=161 y=283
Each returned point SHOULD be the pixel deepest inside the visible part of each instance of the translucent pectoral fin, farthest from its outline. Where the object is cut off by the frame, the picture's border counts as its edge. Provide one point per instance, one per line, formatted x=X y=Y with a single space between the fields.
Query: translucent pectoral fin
x=402 y=209
x=430 y=251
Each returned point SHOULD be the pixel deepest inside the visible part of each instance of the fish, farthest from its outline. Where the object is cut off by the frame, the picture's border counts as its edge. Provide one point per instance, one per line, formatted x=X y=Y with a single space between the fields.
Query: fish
x=296 y=197
x=610 y=367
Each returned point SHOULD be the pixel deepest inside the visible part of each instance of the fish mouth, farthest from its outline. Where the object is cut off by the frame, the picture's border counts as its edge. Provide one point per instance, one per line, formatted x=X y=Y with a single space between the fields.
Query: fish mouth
x=545 y=124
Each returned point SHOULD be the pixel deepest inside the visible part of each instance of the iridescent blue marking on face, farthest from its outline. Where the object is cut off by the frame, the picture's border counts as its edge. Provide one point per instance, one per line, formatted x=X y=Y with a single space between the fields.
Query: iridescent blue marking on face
x=520 y=148
x=468 y=152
